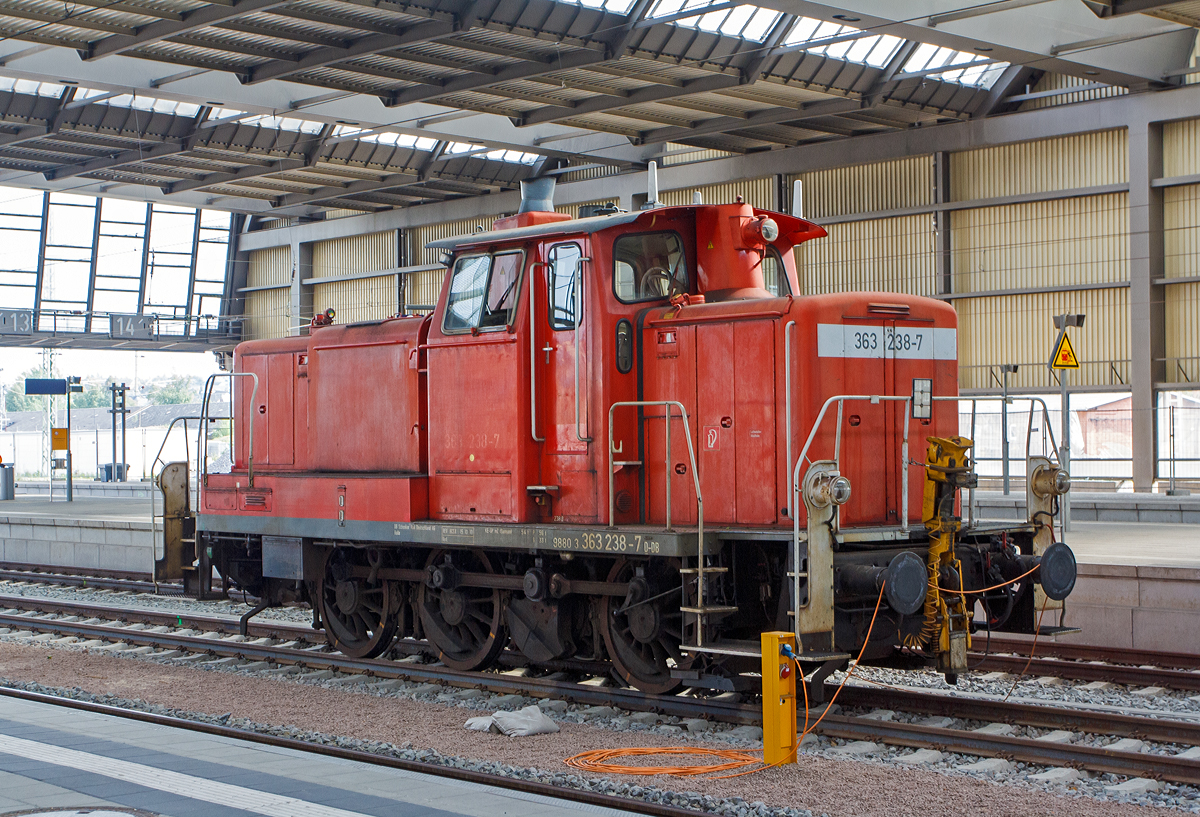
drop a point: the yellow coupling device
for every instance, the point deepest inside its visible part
(948, 468)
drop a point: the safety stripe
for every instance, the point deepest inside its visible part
(185, 785)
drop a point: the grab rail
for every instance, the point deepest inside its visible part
(578, 345)
(687, 435)
(202, 443)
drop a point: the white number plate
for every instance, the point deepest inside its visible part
(903, 342)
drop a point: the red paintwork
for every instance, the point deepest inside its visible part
(407, 422)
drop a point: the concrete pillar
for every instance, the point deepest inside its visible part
(1146, 313)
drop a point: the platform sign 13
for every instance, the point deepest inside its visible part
(16, 321)
(131, 327)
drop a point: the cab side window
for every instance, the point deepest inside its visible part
(563, 269)
(649, 267)
(775, 278)
(483, 292)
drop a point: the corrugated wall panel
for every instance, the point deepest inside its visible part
(268, 314)
(1065, 163)
(1062, 242)
(1051, 81)
(358, 253)
(1020, 329)
(421, 291)
(1181, 231)
(1181, 147)
(362, 299)
(755, 192)
(887, 254)
(1182, 326)
(270, 266)
(890, 185)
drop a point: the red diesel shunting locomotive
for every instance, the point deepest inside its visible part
(626, 438)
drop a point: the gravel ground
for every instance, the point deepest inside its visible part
(427, 723)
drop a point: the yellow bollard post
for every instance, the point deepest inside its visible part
(779, 699)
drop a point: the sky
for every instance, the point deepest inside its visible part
(123, 365)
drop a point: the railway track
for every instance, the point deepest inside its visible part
(96, 579)
(263, 648)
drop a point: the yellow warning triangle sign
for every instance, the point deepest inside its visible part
(1064, 355)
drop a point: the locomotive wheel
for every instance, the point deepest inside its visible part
(465, 624)
(360, 619)
(643, 638)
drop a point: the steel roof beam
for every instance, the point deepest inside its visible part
(771, 116)
(284, 205)
(372, 44)
(202, 17)
(654, 93)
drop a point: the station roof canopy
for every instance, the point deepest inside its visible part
(291, 107)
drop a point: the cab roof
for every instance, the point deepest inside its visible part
(792, 229)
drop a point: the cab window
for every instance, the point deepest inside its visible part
(564, 266)
(483, 292)
(649, 267)
(775, 278)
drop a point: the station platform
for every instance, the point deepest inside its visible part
(54, 758)
(106, 533)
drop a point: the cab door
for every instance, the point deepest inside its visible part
(477, 461)
(563, 374)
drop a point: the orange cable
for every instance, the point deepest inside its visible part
(993, 587)
(599, 760)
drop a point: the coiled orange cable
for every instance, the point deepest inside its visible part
(600, 761)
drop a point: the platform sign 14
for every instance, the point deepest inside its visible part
(131, 327)
(16, 321)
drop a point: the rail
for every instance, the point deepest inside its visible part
(202, 442)
(687, 434)
(579, 322)
(158, 460)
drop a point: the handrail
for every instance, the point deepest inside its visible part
(840, 399)
(533, 406)
(787, 392)
(687, 434)
(153, 479)
(578, 324)
(202, 443)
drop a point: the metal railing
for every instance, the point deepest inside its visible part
(687, 435)
(202, 442)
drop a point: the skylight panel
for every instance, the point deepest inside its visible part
(746, 21)
(284, 123)
(965, 67)
(26, 86)
(513, 156)
(615, 6)
(151, 104)
(843, 42)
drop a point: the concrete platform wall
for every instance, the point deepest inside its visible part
(1147, 608)
(82, 543)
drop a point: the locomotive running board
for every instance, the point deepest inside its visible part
(632, 540)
